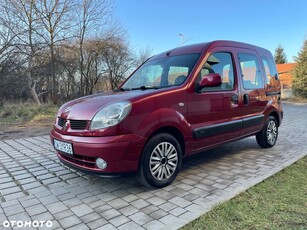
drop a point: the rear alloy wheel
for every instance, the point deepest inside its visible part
(267, 137)
(161, 161)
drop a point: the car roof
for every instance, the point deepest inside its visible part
(200, 47)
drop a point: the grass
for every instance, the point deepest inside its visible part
(279, 202)
(18, 113)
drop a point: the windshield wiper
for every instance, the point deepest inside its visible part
(122, 89)
(144, 87)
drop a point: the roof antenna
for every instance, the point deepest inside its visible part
(181, 43)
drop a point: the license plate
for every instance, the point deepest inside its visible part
(63, 146)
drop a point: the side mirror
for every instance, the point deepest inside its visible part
(210, 80)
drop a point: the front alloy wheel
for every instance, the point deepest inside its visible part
(160, 162)
(163, 161)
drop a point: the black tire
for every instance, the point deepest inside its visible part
(267, 137)
(159, 168)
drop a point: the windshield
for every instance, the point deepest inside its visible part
(163, 72)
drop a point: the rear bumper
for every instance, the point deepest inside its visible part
(122, 152)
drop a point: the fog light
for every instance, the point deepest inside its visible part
(102, 164)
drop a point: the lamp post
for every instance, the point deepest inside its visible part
(181, 39)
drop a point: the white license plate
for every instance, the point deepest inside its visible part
(63, 146)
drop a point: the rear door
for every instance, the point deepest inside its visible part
(271, 77)
(252, 88)
(214, 112)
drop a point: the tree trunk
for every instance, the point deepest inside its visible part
(32, 83)
(34, 94)
(54, 96)
(81, 67)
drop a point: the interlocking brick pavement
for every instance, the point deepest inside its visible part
(34, 185)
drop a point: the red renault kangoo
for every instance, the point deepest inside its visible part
(177, 103)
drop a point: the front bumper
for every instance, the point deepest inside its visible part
(122, 153)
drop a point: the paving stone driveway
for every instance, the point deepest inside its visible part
(35, 186)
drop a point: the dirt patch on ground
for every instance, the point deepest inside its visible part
(30, 129)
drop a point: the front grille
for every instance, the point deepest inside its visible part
(74, 124)
(61, 121)
(85, 161)
(78, 124)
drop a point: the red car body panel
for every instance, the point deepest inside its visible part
(121, 152)
(180, 109)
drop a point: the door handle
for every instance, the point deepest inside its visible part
(246, 99)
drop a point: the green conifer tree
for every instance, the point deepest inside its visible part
(280, 55)
(299, 84)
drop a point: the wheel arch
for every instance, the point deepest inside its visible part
(174, 132)
(276, 116)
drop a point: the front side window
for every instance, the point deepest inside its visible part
(250, 71)
(162, 72)
(221, 63)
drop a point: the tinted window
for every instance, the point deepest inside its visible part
(220, 63)
(250, 71)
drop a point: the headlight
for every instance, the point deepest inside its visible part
(111, 115)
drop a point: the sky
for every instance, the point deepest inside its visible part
(156, 24)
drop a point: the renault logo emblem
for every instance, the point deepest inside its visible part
(65, 125)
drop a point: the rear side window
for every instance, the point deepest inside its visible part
(270, 70)
(250, 71)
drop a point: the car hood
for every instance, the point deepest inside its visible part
(85, 108)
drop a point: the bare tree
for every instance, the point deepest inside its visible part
(118, 60)
(61, 48)
(94, 16)
(7, 37)
(20, 22)
(25, 12)
(6, 29)
(92, 55)
(68, 59)
(56, 19)
(143, 55)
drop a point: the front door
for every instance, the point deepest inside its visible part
(214, 112)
